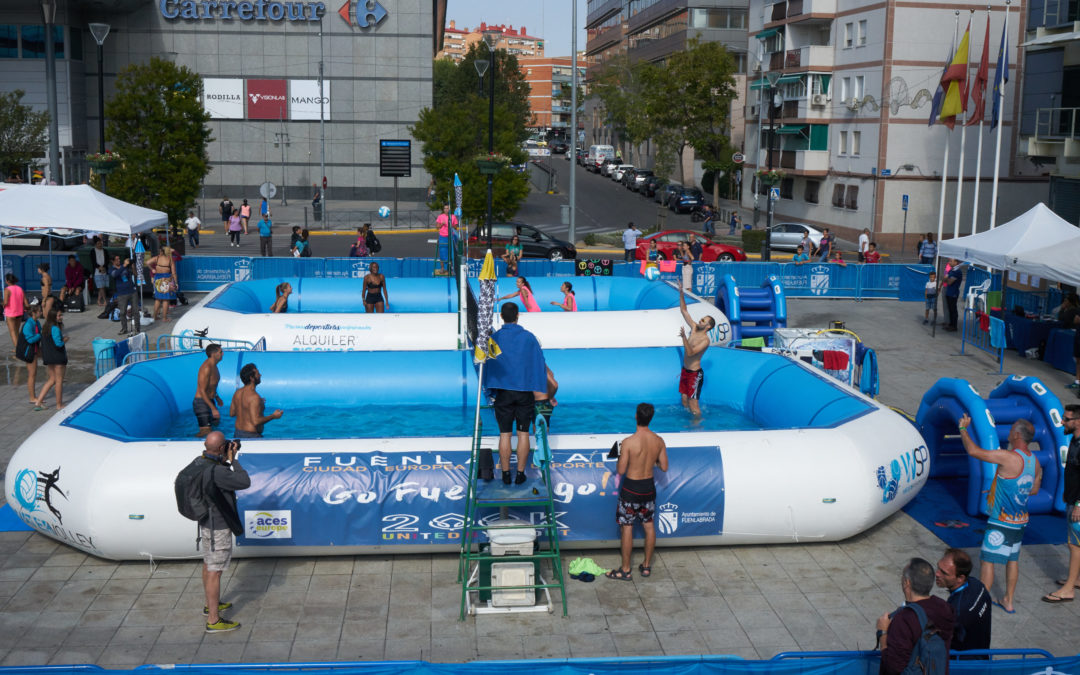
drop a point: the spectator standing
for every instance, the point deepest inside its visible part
(927, 249)
(930, 291)
(807, 244)
(801, 257)
(264, 208)
(295, 237)
(54, 356)
(15, 306)
(871, 254)
(446, 222)
(954, 279)
(968, 598)
(225, 208)
(695, 246)
(825, 247)
(707, 225)
(245, 215)
(29, 347)
(734, 224)
(685, 255)
(1069, 317)
(101, 283)
(1072, 510)
(193, 224)
(898, 632)
(265, 226)
(629, 239)
(124, 278)
(864, 244)
(235, 228)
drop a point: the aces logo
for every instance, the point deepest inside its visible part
(268, 524)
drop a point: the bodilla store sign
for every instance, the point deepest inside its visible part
(362, 13)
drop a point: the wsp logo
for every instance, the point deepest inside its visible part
(905, 469)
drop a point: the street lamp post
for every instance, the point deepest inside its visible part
(491, 38)
(48, 10)
(100, 31)
(766, 255)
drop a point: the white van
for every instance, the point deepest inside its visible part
(597, 155)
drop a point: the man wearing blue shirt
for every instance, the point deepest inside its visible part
(953, 281)
(518, 378)
(265, 230)
(124, 280)
(969, 598)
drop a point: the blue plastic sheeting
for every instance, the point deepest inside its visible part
(338, 296)
(913, 280)
(592, 293)
(30, 278)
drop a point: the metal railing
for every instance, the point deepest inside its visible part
(192, 342)
(1057, 123)
(545, 177)
(350, 219)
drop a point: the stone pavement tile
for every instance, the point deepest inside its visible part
(158, 601)
(410, 566)
(512, 624)
(280, 598)
(303, 567)
(9, 588)
(361, 650)
(132, 570)
(223, 648)
(125, 655)
(637, 644)
(183, 628)
(33, 595)
(323, 606)
(375, 565)
(295, 581)
(20, 574)
(769, 651)
(398, 630)
(173, 652)
(135, 635)
(681, 642)
(334, 566)
(47, 573)
(54, 619)
(272, 632)
(91, 571)
(871, 604)
(113, 603)
(591, 645)
(626, 602)
(697, 588)
(82, 637)
(822, 601)
(329, 582)
(407, 649)
(77, 655)
(723, 641)
(66, 557)
(628, 623)
(445, 604)
(280, 613)
(267, 652)
(546, 646)
(75, 596)
(453, 628)
(258, 567)
(122, 586)
(499, 647)
(669, 613)
(28, 657)
(146, 618)
(248, 583)
(309, 631)
(772, 637)
(43, 638)
(452, 649)
(648, 588)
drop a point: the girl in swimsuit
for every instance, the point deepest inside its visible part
(281, 302)
(524, 292)
(569, 303)
(376, 298)
(54, 356)
(15, 306)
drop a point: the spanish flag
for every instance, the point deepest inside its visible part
(955, 83)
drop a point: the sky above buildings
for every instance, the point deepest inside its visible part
(549, 19)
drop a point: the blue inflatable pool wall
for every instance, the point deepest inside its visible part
(592, 293)
(337, 296)
(1014, 399)
(768, 388)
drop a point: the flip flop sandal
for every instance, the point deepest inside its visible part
(1055, 599)
(620, 575)
(645, 571)
(1002, 607)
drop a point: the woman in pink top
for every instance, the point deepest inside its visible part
(245, 215)
(524, 292)
(569, 303)
(445, 221)
(15, 307)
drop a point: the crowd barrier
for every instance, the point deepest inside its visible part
(1000, 662)
(821, 280)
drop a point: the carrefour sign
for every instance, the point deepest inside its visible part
(360, 13)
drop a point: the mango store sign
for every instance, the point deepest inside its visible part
(242, 10)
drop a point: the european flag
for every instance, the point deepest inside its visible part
(1002, 74)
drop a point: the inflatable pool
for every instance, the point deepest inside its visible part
(371, 453)
(327, 314)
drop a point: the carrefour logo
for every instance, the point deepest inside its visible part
(362, 13)
(268, 524)
(242, 10)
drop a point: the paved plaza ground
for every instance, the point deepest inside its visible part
(60, 606)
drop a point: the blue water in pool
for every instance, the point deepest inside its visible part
(374, 421)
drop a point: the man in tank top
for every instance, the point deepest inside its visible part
(1018, 476)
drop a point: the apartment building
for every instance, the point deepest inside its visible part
(851, 105)
(550, 89)
(516, 41)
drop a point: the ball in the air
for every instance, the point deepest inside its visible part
(652, 273)
(384, 211)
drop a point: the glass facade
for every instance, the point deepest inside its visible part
(33, 42)
(668, 27)
(732, 18)
(9, 42)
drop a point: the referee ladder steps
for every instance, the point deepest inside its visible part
(487, 503)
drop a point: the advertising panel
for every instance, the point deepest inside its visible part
(304, 99)
(267, 99)
(223, 99)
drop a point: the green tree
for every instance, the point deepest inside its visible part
(454, 132)
(691, 100)
(23, 133)
(622, 87)
(157, 124)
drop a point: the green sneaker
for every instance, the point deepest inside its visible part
(222, 626)
(221, 608)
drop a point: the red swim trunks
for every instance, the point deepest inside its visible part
(691, 382)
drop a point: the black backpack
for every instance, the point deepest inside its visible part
(373, 243)
(930, 654)
(191, 486)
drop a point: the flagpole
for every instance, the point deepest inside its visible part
(1000, 122)
(978, 154)
(963, 142)
(945, 164)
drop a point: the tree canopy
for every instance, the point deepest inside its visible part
(454, 133)
(157, 124)
(23, 133)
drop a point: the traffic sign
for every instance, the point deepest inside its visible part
(774, 194)
(268, 190)
(885, 173)
(738, 158)
(903, 203)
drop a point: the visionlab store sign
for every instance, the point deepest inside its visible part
(230, 99)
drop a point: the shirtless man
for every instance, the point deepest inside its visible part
(206, 397)
(637, 495)
(692, 378)
(248, 407)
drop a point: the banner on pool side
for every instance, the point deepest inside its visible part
(373, 499)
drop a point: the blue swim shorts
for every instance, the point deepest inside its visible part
(1001, 544)
(1073, 527)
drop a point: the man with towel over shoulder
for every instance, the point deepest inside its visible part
(518, 380)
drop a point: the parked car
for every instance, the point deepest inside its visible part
(663, 195)
(58, 239)
(535, 243)
(617, 172)
(652, 185)
(627, 178)
(636, 181)
(686, 200)
(668, 240)
(605, 167)
(787, 236)
(559, 147)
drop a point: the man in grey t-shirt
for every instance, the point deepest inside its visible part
(629, 238)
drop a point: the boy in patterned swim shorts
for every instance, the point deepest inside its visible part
(639, 454)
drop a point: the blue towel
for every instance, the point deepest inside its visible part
(869, 381)
(997, 333)
(521, 365)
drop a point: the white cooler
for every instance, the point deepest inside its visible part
(510, 540)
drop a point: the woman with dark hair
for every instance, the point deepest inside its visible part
(15, 307)
(376, 298)
(524, 292)
(30, 347)
(569, 303)
(512, 255)
(54, 356)
(281, 299)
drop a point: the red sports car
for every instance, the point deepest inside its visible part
(667, 240)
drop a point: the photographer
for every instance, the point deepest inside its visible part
(123, 277)
(221, 523)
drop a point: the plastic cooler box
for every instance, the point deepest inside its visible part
(509, 540)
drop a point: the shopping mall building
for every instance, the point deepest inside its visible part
(260, 62)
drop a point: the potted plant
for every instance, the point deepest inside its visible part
(104, 162)
(770, 177)
(490, 163)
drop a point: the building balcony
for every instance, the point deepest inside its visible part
(811, 161)
(602, 11)
(563, 78)
(799, 9)
(814, 56)
(1057, 133)
(556, 108)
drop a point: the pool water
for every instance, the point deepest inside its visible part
(375, 421)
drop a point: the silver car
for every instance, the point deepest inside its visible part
(618, 171)
(788, 236)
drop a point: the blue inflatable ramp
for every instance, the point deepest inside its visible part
(992, 417)
(753, 312)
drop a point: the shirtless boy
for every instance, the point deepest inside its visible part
(248, 407)
(637, 495)
(692, 378)
(206, 397)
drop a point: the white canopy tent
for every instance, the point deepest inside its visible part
(1015, 243)
(73, 207)
(1058, 262)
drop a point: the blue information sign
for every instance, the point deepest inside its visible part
(904, 203)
